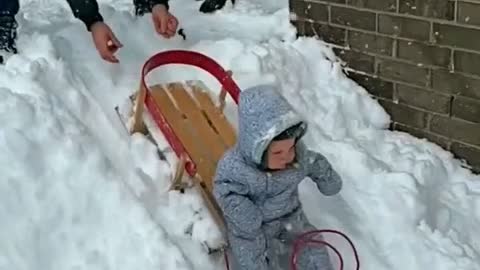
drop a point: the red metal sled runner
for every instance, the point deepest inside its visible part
(185, 114)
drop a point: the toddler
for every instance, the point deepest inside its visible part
(256, 185)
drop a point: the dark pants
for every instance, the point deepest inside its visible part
(8, 25)
(9, 7)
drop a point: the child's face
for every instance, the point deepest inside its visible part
(280, 154)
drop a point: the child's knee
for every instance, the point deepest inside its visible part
(314, 258)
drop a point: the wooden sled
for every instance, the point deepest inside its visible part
(194, 126)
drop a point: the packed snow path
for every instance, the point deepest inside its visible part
(74, 188)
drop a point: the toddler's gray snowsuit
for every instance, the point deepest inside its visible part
(262, 209)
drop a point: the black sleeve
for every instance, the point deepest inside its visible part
(86, 11)
(145, 6)
(155, 2)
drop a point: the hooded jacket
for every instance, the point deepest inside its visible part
(262, 209)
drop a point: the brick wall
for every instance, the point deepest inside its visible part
(420, 58)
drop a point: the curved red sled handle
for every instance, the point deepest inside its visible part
(193, 59)
(308, 239)
(187, 58)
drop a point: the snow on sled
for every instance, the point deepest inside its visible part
(191, 121)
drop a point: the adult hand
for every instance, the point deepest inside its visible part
(105, 41)
(164, 22)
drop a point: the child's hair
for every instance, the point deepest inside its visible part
(296, 131)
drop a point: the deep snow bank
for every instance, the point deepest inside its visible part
(69, 170)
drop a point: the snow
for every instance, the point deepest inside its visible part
(77, 192)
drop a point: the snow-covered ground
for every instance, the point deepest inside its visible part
(76, 192)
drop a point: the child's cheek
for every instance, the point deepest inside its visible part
(291, 157)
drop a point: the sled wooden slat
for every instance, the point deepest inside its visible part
(139, 126)
(185, 132)
(220, 122)
(194, 131)
(208, 138)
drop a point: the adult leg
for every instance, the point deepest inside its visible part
(8, 25)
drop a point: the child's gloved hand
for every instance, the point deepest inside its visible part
(327, 179)
(319, 170)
